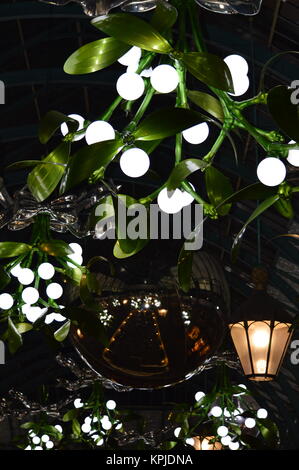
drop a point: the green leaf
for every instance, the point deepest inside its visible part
(56, 248)
(136, 246)
(218, 189)
(28, 425)
(164, 17)
(4, 278)
(167, 122)
(44, 178)
(283, 111)
(209, 69)
(87, 160)
(28, 163)
(269, 432)
(62, 333)
(86, 296)
(95, 56)
(254, 192)
(168, 445)
(12, 249)
(51, 122)
(75, 274)
(285, 208)
(76, 428)
(14, 338)
(70, 415)
(134, 31)
(208, 103)
(256, 213)
(185, 263)
(23, 327)
(183, 170)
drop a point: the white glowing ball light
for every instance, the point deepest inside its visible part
(32, 313)
(234, 445)
(197, 134)
(216, 411)
(45, 438)
(99, 131)
(78, 403)
(226, 440)
(134, 162)
(190, 441)
(30, 295)
(54, 291)
(177, 431)
(6, 301)
(293, 155)
(222, 431)
(170, 201)
(262, 413)
(199, 396)
(16, 270)
(164, 78)
(65, 130)
(250, 423)
(130, 86)
(105, 423)
(131, 57)
(26, 277)
(58, 427)
(271, 171)
(239, 69)
(49, 445)
(36, 440)
(86, 428)
(77, 249)
(46, 271)
(111, 405)
(76, 258)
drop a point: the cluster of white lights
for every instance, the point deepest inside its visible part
(239, 70)
(172, 202)
(134, 162)
(65, 130)
(271, 171)
(40, 442)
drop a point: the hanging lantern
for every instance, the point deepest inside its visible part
(261, 332)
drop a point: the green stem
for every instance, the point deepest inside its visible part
(219, 141)
(261, 98)
(142, 109)
(108, 113)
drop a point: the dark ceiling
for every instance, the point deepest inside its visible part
(36, 39)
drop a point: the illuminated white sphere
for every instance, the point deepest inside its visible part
(26, 277)
(30, 295)
(293, 156)
(88, 420)
(170, 201)
(54, 291)
(76, 258)
(241, 85)
(216, 411)
(33, 313)
(76, 248)
(177, 432)
(99, 131)
(199, 396)
(134, 162)
(50, 318)
(262, 413)
(164, 78)
(271, 171)
(100, 442)
(234, 445)
(147, 73)
(65, 130)
(111, 405)
(250, 423)
(226, 440)
(38, 448)
(58, 427)
(197, 134)
(6, 301)
(133, 68)
(190, 441)
(240, 393)
(46, 271)
(131, 57)
(78, 403)
(86, 428)
(222, 431)
(45, 438)
(106, 424)
(28, 448)
(238, 411)
(49, 445)
(130, 86)
(36, 440)
(16, 270)
(237, 64)
(118, 426)
(58, 317)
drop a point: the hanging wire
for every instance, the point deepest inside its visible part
(255, 120)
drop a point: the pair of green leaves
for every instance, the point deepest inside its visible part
(284, 111)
